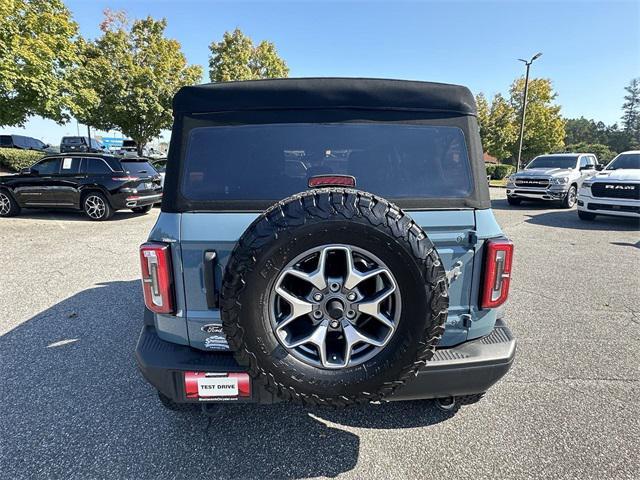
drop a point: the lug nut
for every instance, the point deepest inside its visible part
(317, 297)
(317, 314)
(351, 314)
(334, 324)
(335, 287)
(351, 296)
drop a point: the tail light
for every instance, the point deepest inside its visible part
(157, 277)
(497, 272)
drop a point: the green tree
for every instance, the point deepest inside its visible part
(498, 128)
(544, 128)
(236, 58)
(126, 78)
(603, 152)
(582, 130)
(631, 110)
(482, 106)
(36, 50)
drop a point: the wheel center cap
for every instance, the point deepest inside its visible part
(335, 309)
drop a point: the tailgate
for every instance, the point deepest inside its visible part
(452, 231)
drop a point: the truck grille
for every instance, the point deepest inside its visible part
(532, 182)
(629, 191)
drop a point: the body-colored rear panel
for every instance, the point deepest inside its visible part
(454, 232)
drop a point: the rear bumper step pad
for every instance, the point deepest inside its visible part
(469, 368)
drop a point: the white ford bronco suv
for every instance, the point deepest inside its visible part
(327, 241)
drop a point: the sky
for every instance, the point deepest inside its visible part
(591, 49)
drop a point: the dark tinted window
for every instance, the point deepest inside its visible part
(96, 166)
(20, 141)
(625, 160)
(73, 141)
(6, 141)
(70, 165)
(269, 162)
(142, 168)
(48, 166)
(553, 161)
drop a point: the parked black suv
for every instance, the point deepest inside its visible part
(96, 184)
(80, 144)
(23, 142)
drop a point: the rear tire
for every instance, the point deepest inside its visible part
(96, 206)
(145, 209)
(588, 216)
(8, 206)
(514, 201)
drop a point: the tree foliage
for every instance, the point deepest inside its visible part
(126, 78)
(500, 121)
(36, 50)
(543, 126)
(603, 152)
(236, 58)
(631, 110)
(582, 130)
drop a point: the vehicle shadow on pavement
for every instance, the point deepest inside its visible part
(568, 218)
(75, 406)
(69, 216)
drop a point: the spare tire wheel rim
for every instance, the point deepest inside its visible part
(335, 306)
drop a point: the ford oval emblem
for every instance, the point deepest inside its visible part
(212, 328)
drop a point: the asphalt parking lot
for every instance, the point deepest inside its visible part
(73, 405)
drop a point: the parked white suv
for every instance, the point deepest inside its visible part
(555, 177)
(614, 191)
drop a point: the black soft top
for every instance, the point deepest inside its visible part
(321, 100)
(325, 93)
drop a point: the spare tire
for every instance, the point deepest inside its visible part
(333, 297)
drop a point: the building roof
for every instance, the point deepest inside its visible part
(489, 159)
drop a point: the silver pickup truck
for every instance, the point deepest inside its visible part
(555, 177)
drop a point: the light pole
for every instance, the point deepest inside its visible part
(524, 104)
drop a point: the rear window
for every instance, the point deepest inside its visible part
(270, 162)
(142, 168)
(73, 141)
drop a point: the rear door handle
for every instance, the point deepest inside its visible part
(210, 262)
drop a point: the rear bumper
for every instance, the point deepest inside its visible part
(469, 368)
(128, 200)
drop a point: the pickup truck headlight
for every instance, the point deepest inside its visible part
(586, 184)
(559, 180)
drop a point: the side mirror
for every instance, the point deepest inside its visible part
(26, 171)
(599, 167)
